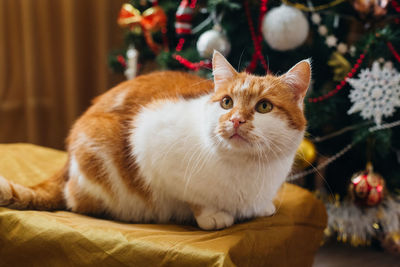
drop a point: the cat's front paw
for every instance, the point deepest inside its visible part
(5, 192)
(268, 209)
(210, 219)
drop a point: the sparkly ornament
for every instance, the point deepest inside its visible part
(132, 62)
(367, 188)
(211, 40)
(331, 41)
(305, 155)
(184, 16)
(376, 92)
(285, 28)
(358, 225)
(375, 7)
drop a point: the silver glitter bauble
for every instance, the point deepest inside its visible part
(212, 40)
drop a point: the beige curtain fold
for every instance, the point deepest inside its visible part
(53, 61)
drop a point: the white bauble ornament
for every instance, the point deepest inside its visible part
(212, 40)
(285, 28)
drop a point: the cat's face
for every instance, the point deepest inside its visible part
(258, 114)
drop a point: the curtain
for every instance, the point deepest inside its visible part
(53, 61)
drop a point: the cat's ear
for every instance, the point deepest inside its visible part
(298, 78)
(222, 70)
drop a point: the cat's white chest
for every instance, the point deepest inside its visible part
(172, 153)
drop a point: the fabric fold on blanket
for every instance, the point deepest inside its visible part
(39, 238)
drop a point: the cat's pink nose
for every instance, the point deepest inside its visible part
(236, 122)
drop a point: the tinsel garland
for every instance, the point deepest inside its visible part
(353, 224)
(358, 226)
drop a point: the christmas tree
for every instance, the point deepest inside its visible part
(352, 107)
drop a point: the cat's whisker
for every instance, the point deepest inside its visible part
(203, 81)
(171, 146)
(198, 149)
(240, 59)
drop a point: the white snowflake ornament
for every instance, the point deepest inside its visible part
(376, 92)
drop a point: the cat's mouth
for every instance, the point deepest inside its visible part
(238, 137)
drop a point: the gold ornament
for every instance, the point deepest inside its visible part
(341, 67)
(305, 155)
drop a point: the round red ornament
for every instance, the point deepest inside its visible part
(367, 187)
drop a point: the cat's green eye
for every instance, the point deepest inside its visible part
(227, 102)
(264, 106)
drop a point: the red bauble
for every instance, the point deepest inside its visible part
(367, 187)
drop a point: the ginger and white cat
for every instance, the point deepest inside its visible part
(171, 146)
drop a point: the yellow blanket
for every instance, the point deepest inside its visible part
(37, 238)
